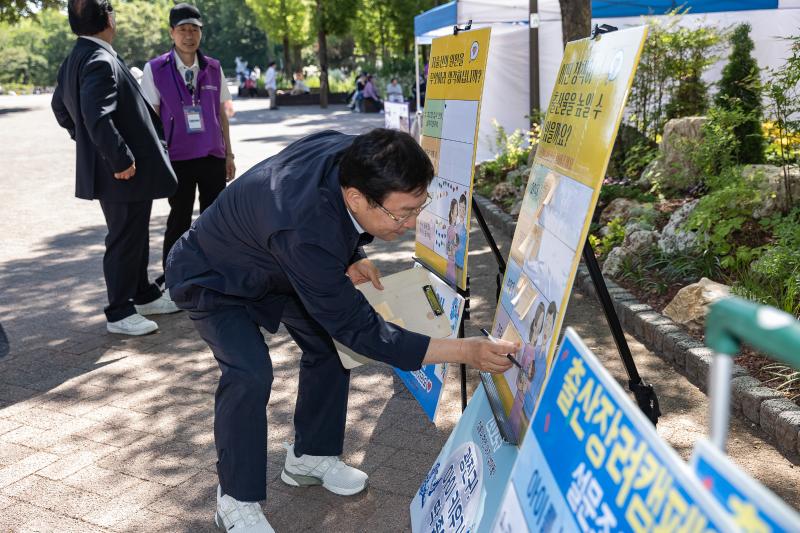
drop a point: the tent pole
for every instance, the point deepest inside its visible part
(416, 78)
(533, 58)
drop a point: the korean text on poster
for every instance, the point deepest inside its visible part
(591, 461)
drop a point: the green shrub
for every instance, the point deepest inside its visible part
(610, 191)
(712, 162)
(512, 153)
(655, 272)
(783, 97)
(740, 88)
(614, 236)
(774, 278)
(724, 221)
(668, 82)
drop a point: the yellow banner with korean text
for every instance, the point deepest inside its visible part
(449, 135)
(457, 66)
(577, 137)
(586, 105)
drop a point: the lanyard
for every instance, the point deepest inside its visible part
(196, 100)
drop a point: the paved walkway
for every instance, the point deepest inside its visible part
(104, 433)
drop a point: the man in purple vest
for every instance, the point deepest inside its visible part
(188, 90)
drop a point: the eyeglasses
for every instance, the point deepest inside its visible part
(412, 213)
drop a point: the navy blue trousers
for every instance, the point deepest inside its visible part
(240, 412)
(126, 257)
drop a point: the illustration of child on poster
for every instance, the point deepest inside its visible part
(452, 240)
(461, 251)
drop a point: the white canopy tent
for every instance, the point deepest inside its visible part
(505, 91)
(506, 95)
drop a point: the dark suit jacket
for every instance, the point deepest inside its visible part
(100, 104)
(282, 231)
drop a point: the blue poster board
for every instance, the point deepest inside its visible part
(426, 383)
(751, 505)
(591, 461)
(462, 490)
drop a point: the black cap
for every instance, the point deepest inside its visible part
(184, 14)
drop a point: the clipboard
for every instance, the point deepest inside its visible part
(407, 300)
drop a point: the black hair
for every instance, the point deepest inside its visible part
(271, 63)
(384, 161)
(534, 334)
(88, 17)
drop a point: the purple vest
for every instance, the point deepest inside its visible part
(175, 95)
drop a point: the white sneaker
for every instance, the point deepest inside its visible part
(328, 471)
(241, 517)
(132, 325)
(163, 305)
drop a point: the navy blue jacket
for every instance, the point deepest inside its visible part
(101, 106)
(282, 230)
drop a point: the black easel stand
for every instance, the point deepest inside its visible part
(501, 270)
(643, 392)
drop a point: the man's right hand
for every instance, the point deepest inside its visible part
(477, 352)
(127, 173)
(486, 355)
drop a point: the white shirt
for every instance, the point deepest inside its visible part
(102, 43)
(154, 97)
(358, 227)
(269, 79)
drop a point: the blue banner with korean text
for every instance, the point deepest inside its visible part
(751, 505)
(591, 461)
(463, 488)
(426, 384)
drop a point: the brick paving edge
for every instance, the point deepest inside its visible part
(777, 416)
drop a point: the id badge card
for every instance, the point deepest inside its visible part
(194, 118)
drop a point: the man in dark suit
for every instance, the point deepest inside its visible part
(121, 160)
(282, 244)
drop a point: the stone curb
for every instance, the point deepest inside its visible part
(778, 417)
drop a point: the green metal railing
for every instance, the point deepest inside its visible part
(731, 322)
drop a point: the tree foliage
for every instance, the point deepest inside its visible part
(32, 49)
(286, 22)
(13, 10)
(740, 88)
(142, 30)
(230, 29)
(668, 82)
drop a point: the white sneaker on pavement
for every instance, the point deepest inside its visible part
(240, 517)
(132, 325)
(328, 471)
(163, 305)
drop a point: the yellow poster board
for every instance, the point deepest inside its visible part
(564, 184)
(456, 72)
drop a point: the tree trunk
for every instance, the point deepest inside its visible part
(323, 55)
(576, 19)
(287, 64)
(297, 56)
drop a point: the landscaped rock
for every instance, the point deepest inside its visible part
(504, 190)
(618, 208)
(673, 238)
(516, 208)
(773, 188)
(677, 133)
(639, 240)
(652, 173)
(691, 303)
(613, 263)
(518, 175)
